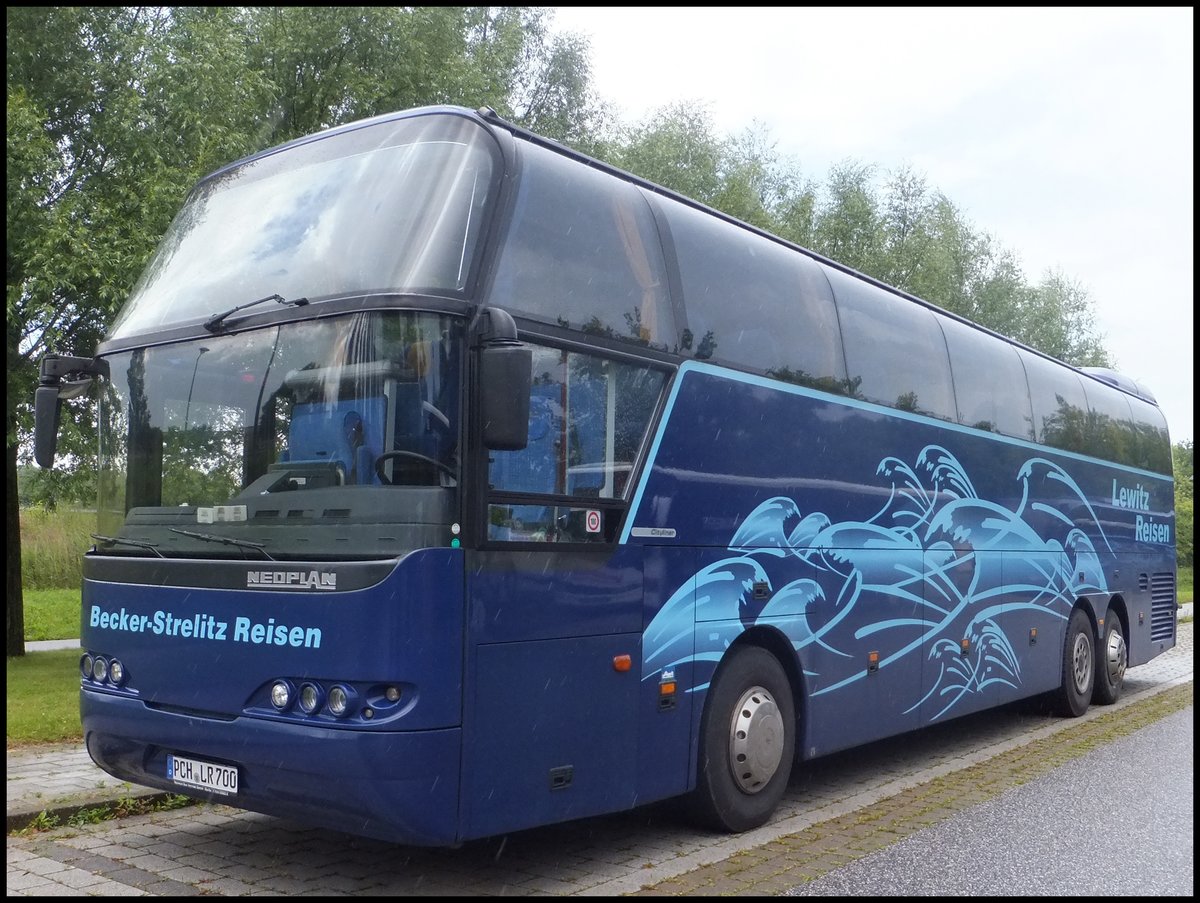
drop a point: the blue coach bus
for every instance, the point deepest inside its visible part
(453, 483)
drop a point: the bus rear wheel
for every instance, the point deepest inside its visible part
(747, 741)
(1111, 662)
(1078, 667)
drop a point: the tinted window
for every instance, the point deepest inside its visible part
(582, 251)
(895, 351)
(754, 303)
(1060, 408)
(1109, 424)
(1152, 447)
(989, 381)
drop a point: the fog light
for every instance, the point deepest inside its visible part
(392, 694)
(310, 698)
(85, 666)
(281, 694)
(100, 668)
(116, 672)
(338, 701)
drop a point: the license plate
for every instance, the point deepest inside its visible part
(210, 776)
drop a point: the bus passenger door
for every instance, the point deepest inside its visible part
(555, 602)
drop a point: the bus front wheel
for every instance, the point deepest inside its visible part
(1111, 662)
(1078, 667)
(747, 741)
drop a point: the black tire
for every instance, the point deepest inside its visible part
(747, 742)
(1078, 667)
(1112, 658)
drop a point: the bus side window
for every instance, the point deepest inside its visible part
(588, 417)
(1062, 422)
(895, 352)
(979, 364)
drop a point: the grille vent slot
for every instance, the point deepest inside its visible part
(1162, 606)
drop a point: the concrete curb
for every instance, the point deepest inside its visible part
(105, 803)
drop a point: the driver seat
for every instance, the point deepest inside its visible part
(338, 433)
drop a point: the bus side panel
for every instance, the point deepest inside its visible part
(903, 520)
(996, 632)
(668, 722)
(1150, 595)
(552, 735)
(864, 621)
(1033, 626)
(551, 718)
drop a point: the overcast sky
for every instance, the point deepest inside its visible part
(1064, 133)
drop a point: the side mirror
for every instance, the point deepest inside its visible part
(505, 380)
(62, 377)
(47, 409)
(504, 385)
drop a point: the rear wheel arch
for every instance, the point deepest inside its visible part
(1112, 653)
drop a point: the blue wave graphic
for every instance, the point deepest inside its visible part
(929, 559)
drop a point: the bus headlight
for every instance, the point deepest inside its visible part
(100, 669)
(116, 672)
(339, 701)
(310, 698)
(281, 694)
(85, 666)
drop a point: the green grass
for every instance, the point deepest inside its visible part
(1183, 589)
(51, 614)
(43, 697)
(52, 547)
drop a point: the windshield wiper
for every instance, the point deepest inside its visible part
(116, 540)
(225, 540)
(213, 323)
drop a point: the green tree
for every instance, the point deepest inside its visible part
(1058, 319)
(332, 65)
(677, 148)
(1181, 455)
(850, 227)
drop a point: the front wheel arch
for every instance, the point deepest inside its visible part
(747, 742)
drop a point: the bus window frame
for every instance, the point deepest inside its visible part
(616, 509)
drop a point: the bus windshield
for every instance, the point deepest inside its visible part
(336, 437)
(394, 206)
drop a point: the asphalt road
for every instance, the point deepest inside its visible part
(1116, 823)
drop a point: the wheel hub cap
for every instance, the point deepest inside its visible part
(755, 740)
(1081, 660)
(1116, 657)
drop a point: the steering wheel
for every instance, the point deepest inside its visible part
(401, 453)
